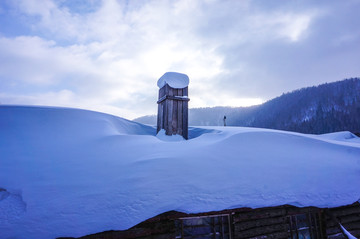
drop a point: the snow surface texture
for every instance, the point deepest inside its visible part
(69, 172)
(174, 80)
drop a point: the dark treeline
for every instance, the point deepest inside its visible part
(329, 107)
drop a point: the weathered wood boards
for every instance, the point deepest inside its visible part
(348, 216)
(173, 111)
(246, 223)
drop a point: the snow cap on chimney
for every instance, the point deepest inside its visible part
(174, 80)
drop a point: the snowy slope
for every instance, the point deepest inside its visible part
(70, 172)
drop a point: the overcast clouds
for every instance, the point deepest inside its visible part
(107, 55)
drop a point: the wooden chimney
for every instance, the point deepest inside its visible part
(173, 104)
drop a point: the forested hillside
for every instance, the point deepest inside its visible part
(319, 109)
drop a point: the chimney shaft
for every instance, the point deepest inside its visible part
(173, 104)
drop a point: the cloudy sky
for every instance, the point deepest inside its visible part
(108, 55)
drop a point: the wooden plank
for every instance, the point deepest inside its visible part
(166, 89)
(160, 116)
(348, 226)
(344, 219)
(355, 233)
(179, 118)
(175, 113)
(185, 114)
(336, 236)
(309, 221)
(333, 230)
(245, 225)
(174, 117)
(343, 211)
(158, 127)
(162, 92)
(261, 231)
(259, 214)
(276, 235)
(342, 208)
(169, 115)
(185, 91)
(301, 210)
(185, 120)
(170, 104)
(340, 235)
(322, 224)
(171, 91)
(168, 97)
(179, 114)
(165, 112)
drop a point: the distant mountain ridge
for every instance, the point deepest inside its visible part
(326, 108)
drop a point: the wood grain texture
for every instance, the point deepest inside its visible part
(173, 111)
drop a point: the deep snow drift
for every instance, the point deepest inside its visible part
(70, 172)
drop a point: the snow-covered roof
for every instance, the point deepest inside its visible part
(70, 172)
(174, 80)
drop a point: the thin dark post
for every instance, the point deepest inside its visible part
(173, 104)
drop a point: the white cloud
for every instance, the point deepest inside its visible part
(279, 25)
(117, 62)
(295, 27)
(27, 59)
(113, 55)
(33, 7)
(345, 39)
